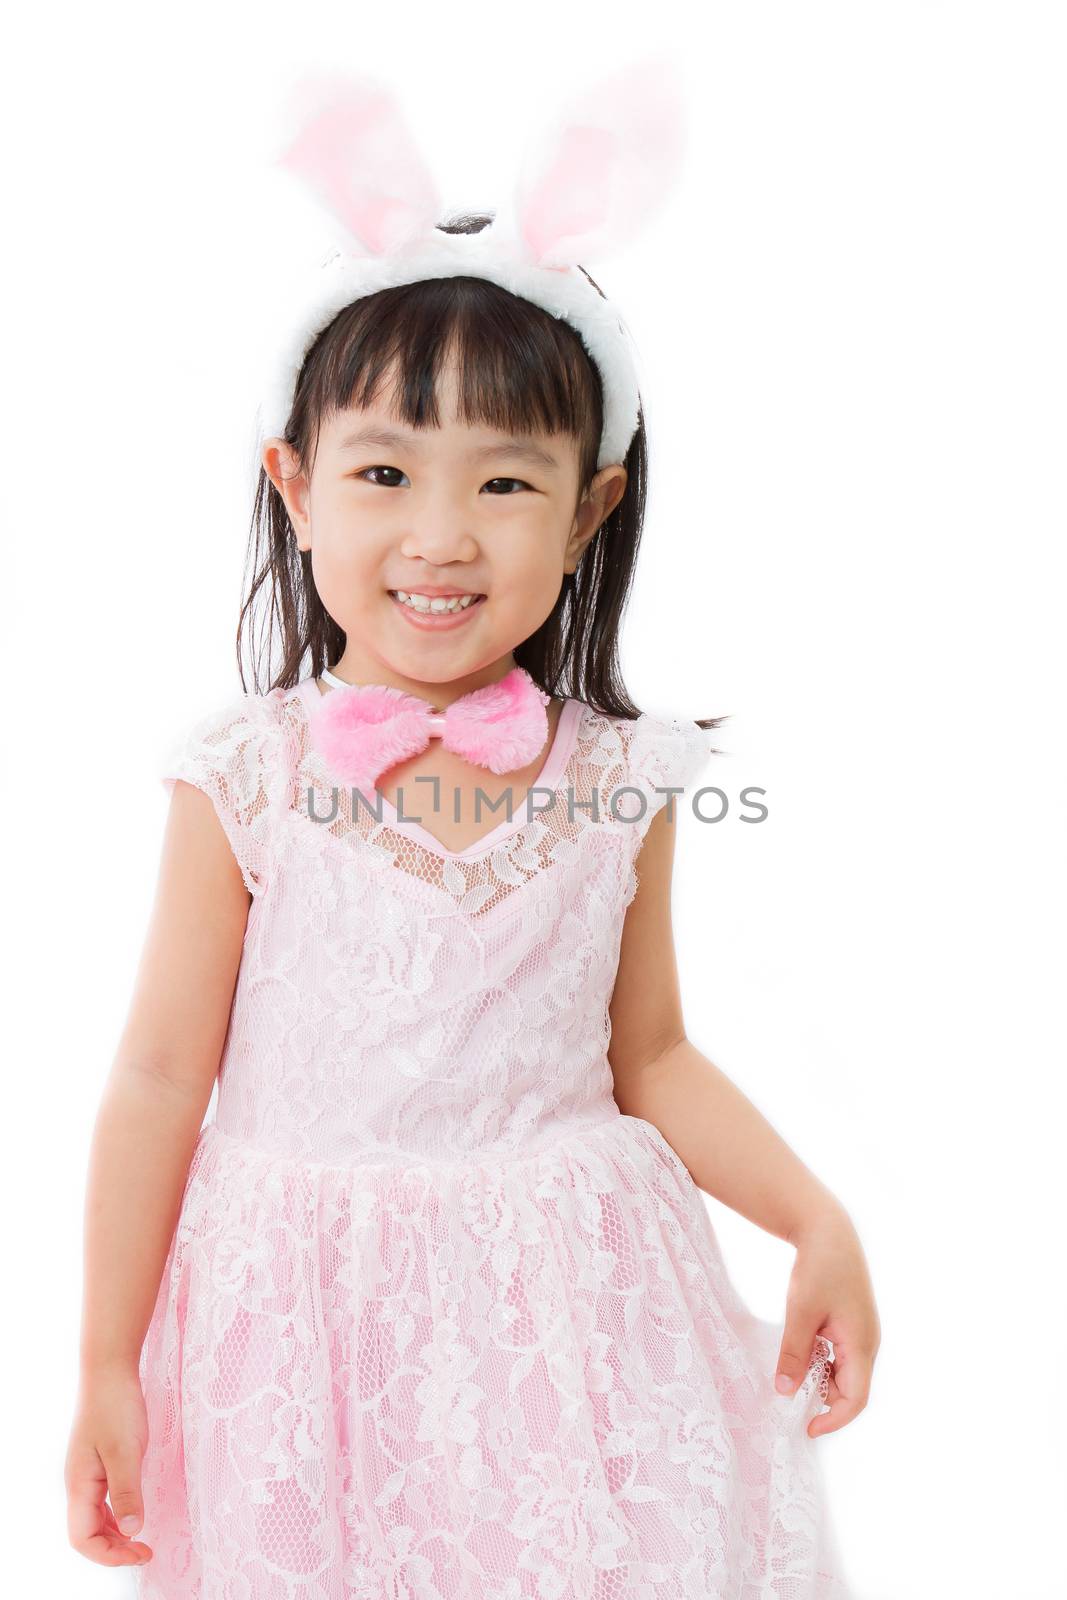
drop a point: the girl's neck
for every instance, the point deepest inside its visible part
(353, 668)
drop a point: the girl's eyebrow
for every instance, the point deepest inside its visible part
(394, 440)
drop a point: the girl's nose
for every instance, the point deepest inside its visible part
(439, 544)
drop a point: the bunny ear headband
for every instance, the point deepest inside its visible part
(587, 185)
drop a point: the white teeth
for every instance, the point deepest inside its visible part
(424, 602)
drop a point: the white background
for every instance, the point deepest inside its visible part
(851, 320)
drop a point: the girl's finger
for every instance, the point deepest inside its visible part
(846, 1395)
(795, 1352)
(122, 1465)
(91, 1527)
(122, 1542)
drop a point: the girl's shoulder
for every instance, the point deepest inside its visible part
(235, 753)
(655, 752)
(230, 736)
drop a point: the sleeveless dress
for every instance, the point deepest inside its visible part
(438, 1321)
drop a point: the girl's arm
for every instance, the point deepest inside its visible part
(150, 1116)
(729, 1148)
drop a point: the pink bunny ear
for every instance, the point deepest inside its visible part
(603, 166)
(356, 153)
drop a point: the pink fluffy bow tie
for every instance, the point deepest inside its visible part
(363, 730)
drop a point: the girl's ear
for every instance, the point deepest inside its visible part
(602, 167)
(282, 466)
(355, 152)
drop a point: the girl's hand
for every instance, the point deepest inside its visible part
(830, 1293)
(107, 1446)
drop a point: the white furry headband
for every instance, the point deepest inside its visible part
(587, 185)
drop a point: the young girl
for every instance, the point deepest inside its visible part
(433, 1307)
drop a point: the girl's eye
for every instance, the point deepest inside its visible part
(519, 481)
(366, 473)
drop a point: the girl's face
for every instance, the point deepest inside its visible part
(455, 510)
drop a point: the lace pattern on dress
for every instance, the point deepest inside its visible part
(438, 1321)
(232, 755)
(612, 779)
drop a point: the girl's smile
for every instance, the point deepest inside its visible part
(425, 608)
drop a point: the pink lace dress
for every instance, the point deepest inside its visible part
(438, 1322)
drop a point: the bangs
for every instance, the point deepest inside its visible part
(518, 368)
